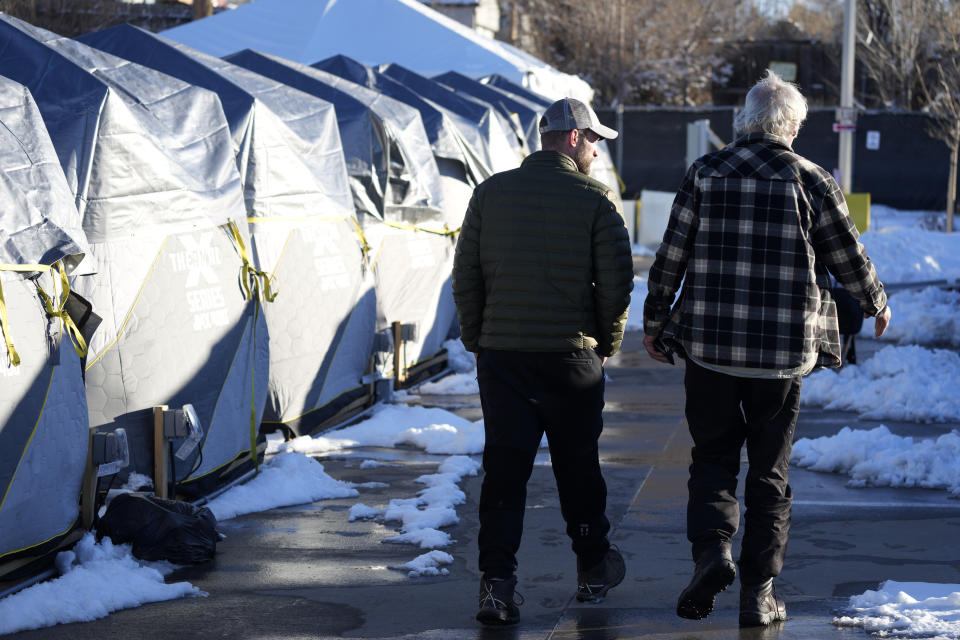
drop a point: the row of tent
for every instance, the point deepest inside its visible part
(255, 237)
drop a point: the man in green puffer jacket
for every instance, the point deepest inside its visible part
(542, 279)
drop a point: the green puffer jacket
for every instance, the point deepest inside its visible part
(543, 262)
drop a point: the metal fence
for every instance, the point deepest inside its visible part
(895, 159)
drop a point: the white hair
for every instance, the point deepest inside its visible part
(772, 106)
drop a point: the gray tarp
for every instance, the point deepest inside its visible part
(484, 125)
(411, 268)
(43, 409)
(297, 195)
(155, 190)
(461, 167)
(387, 150)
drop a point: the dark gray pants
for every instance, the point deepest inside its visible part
(524, 395)
(724, 412)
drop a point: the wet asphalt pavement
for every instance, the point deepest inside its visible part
(307, 572)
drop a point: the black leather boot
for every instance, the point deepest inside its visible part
(498, 604)
(715, 572)
(759, 605)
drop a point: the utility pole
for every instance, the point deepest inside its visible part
(202, 9)
(846, 115)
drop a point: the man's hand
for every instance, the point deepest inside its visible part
(653, 351)
(881, 322)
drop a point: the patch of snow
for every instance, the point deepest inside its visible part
(906, 610)
(361, 511)
(97, 578)
(879, 458)
(929, 316)
(285, 480)
(898, 383)
(427, 564)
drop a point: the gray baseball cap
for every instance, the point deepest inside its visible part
(567, 114)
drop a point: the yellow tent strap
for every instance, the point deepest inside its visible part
(5, 328)
(76, 337)
(623, 185)
(253, 393)
(409, 227)
(364, 245)
(4, 320)
(252, 279)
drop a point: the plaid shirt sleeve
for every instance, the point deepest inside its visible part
(668, 268)
(836, 242)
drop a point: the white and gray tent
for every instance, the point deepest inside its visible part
(524, 117)
(43, 409)
(411, 245)
(161, 205)
(484, 124)
(461, 165)
(388, 153)
(303, 229)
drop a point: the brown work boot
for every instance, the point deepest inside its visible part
(759, 605)
(715, 572)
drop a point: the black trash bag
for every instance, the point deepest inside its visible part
(849, 313)
(161, 529)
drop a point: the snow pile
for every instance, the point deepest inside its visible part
(906, 610)
(433, 430)
(422, 517)
(461, 383)
(427, 564)
(898, 383)
(96, 580)
(913, 254)
(928, 316)
(459, 359)
(285, 480)
(361, 511)
(879, 458)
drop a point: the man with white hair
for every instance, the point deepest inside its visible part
(754, 235)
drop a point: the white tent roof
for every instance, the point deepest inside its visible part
(373, 32)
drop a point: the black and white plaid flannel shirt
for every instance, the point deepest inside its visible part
(754, 230)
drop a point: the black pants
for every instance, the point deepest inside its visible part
(723, 412)
(524, 395)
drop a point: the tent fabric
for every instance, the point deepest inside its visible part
(386, 147)
(43, 408)
(157, 193)
(297, 194)
(480, 121)
(460, 166)
(403, 31)
(440, 123)
(524, 117)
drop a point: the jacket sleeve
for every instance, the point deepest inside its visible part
(469, 293)
(612, 277)
(836, 242)
(670, 265)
